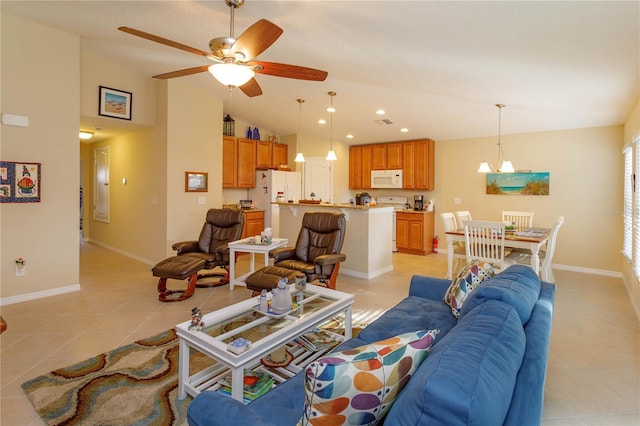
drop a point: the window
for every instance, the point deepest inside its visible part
(629, 183)
(636, 216)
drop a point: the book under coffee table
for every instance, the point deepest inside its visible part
(266, 333)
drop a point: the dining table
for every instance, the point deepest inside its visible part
(531, 239)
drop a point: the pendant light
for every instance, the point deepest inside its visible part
(505, 165)
(299, 156)
(331, 155)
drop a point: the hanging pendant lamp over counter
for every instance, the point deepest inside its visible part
(299, 156)
(331, 155)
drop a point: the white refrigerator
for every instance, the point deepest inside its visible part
(268, 184)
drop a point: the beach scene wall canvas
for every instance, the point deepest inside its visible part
(529, 183)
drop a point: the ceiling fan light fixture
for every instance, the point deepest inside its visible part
(232, 75)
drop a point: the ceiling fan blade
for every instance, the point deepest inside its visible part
(289, 71)
(251, 88)
(257, 38)
(164, 41)
(181, 73)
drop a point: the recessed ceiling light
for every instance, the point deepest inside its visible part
(404, 130)
(381, 112)
(349, 136)
(322, 121)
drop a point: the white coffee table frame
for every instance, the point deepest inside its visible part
(216, 348)
(244, 247)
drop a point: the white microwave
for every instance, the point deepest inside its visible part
(386, 178)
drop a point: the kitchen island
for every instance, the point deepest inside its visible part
(367, 241)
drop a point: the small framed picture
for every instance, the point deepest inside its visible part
(195, 181)
(115, 103)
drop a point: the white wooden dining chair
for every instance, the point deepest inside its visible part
(461, 216)
(484, 240)
(546, 256)
(459, 253)
(520, 219)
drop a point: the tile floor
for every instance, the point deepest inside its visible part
(593, 375)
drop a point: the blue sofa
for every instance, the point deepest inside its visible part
(487, 367)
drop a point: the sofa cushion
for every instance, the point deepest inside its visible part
(469, 277)
(469, 376)
(518, 286)
(358, 386)
(412, 313)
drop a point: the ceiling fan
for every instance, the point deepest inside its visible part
(234, 58)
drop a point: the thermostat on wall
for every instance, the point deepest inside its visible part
(15, 120)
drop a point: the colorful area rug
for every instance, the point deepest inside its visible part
(136, 384)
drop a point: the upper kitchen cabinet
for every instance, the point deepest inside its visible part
(394, 155)
(379, 159)
(425, 154)
(415, 158)
(279, 156)
(271, 155)
(238, 162)
(360, 160)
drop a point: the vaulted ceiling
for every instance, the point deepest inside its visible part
(436, 67)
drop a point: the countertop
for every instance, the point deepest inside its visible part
(338, 205)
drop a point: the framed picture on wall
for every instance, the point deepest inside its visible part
(19, 182)
(195, 181)
(115, 103)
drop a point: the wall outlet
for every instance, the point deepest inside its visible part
(20, 271)
(201, 201)
(457, 200)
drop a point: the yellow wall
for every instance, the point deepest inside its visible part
(194, 143)
(45, 233)
(632, 131)
(586, 179)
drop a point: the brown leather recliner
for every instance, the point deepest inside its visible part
(221, 227)
(316, 254)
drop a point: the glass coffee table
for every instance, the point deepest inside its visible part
(267, 333)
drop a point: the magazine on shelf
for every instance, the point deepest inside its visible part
(256, 383)
(318, 339)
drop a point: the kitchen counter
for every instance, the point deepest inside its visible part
(330, 205)
(368, 237)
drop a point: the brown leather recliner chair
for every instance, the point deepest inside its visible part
(221, 227)
(316, 254)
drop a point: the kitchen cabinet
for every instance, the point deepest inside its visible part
(238, 162)
(418, 165)
(414, 232)
(263, 154)
(415, 158)
(394, 155)
(360, 160)
(253, 223)
(424, 164)
(271, 155)
(379, 156)
(279, 156)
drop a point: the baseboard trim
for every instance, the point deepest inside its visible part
(365, 276)
(123, 252)
(604, 272)
(39, 294)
